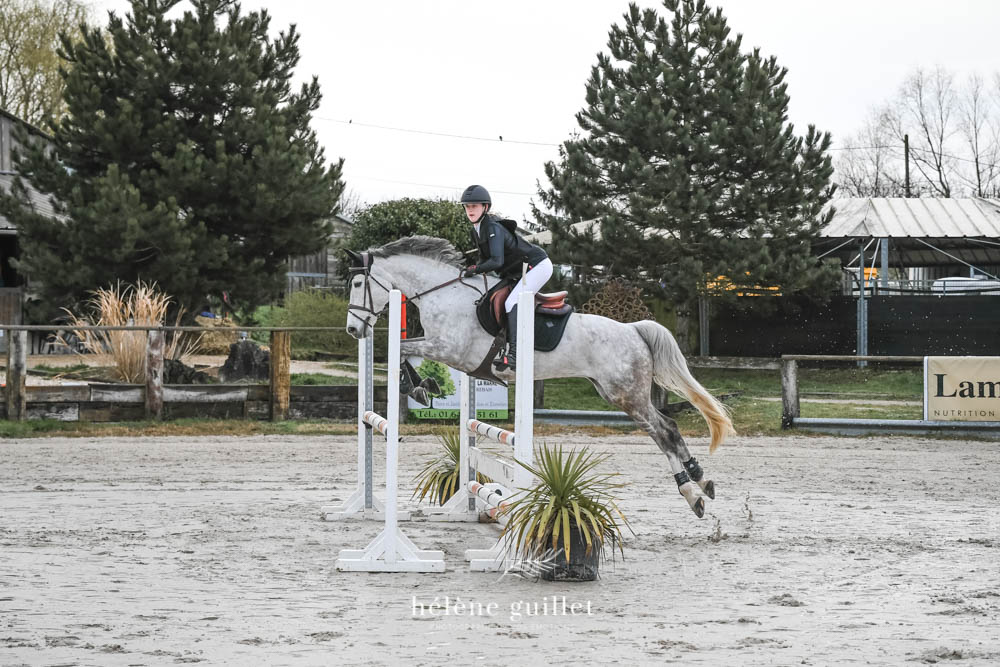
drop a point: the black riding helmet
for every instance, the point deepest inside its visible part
(476, 194)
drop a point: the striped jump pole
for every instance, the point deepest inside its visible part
(377, 422)
(492, 432)
(495, 497)
(391, 550)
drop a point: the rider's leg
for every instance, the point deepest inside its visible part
(533, 280)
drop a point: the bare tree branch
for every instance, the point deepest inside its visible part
(30, 85)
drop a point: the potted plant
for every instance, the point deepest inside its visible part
(438, 480)
(566, 520)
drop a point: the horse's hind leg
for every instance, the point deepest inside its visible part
(691, 466)
(697, 476)
(668, 438)
(687, 472)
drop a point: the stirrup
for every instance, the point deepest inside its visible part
(504, 364)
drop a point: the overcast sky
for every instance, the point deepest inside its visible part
(517, 69)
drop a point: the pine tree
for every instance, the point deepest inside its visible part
(185, 158)
(688, 162)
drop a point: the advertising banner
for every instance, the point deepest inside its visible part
(962, 389)
(491, 398)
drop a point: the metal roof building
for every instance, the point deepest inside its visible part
(916, 232)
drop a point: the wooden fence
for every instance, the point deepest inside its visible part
(276, 401)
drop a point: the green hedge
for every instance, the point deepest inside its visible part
(316, 308)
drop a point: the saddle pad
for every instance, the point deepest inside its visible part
(549, 324)
(549, 329)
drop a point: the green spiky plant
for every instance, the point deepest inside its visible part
(438, 481)
(568, 494)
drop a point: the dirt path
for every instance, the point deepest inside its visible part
(201, 361)
(821, 551)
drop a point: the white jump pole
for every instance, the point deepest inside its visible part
(391, 550)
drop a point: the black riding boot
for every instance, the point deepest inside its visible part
(508, 361)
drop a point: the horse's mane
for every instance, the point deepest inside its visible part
(422, 246)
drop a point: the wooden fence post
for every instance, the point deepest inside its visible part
(789, 392)
(660, 397)
(154, 374)
(539, 390)
(17, 362)
(281, 377)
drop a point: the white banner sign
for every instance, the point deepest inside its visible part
(491, 398)
(962, 389)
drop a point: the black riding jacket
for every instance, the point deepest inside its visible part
(502, 251)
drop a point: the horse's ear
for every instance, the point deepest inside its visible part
(355, 258)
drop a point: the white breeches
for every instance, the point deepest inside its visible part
(533, 280)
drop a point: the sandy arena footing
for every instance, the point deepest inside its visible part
(817, 550)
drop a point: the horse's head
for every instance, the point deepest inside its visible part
(369, 294)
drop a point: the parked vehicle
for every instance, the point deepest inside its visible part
(966, 285)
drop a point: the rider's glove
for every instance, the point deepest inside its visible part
(469, 271)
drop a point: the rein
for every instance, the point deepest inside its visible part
(450, 282)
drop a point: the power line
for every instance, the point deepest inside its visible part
(895, 149)
(898, 153)
(436, 185)
(499, 139)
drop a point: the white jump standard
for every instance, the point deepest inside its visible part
(362, 504)
(391, 550)
(507, 476)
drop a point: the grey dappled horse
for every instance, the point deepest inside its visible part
(621, 360)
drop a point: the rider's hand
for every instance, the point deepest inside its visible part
(469, 271)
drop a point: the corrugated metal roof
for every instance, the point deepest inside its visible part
(914, 217)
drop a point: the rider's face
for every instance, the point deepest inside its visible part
(474, 211)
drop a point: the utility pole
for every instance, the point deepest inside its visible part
(906, 163)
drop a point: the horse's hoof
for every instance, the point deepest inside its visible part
(420, 395)
(709, 489)
(699, 508)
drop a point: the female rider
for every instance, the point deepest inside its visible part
(503, 251)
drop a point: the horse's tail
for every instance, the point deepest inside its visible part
(670, 371)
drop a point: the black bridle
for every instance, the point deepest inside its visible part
(362, 264)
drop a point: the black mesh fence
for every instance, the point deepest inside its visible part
(897, 325)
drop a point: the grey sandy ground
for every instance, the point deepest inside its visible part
(818, 551)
